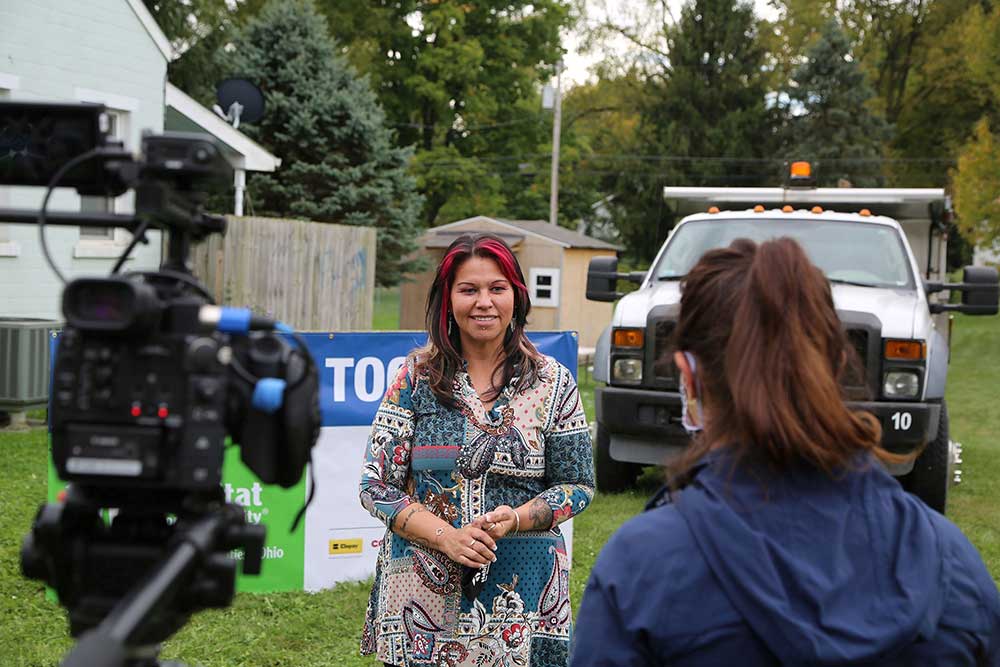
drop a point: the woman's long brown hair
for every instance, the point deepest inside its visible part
(441, 359)
(771, 355)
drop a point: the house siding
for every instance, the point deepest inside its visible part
(67, 52)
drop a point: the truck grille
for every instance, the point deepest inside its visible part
(664, 370)
(856, 382)
(664, 373)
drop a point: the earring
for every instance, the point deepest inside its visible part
(450, 320)
(512, 326)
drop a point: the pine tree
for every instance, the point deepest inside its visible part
(705, 100)
(339, 161)
(831, 122)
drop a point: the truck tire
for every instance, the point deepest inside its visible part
(612, 476)
(929, 478)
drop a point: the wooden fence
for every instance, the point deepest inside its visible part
(311, 275)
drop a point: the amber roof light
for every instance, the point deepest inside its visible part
(800, 170)
(758, 209)
(817, 209)
(713, 209)
(787, 209)
(864, 213)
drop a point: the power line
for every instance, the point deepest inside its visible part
(598, 157)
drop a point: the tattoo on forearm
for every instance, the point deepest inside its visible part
(540, 514)
(406, 521)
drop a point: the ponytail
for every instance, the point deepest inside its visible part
(772, 356)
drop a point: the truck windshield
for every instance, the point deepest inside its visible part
(855, 253)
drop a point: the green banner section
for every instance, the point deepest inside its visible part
(275, 508)
(270, 506)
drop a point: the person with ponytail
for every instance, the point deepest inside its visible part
(479, 450)
(781, 539)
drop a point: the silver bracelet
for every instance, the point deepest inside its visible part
(517, 522)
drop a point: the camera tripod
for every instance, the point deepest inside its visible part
(130, 583)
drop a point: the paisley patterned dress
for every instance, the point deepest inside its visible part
(462, 463)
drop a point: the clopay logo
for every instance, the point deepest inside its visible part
(248, 499)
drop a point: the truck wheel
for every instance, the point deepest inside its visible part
(612, 476)
(929, 478)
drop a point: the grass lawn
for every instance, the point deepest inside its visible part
(386, 313)
(286, 629)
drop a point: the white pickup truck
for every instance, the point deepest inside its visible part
(883, 251)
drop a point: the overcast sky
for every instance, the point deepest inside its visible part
(578, 63)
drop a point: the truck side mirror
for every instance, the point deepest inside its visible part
(980, 289)
(602, 279)
(982, 300)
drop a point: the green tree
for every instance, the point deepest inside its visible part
(977, 187)
(462, 79)
(339, 163)
(976, 180)
(198, 29)
(831, 123)
(704, 118)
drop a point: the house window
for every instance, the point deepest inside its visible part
(116, 129)
(8, 248)
(544, 286)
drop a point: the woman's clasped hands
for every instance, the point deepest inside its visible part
(469, 545)
(474, 545)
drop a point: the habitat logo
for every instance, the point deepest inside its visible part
(249, 499)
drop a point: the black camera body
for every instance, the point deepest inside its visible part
(145, 392)
(150, 381)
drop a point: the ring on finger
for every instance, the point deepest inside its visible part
(492, 526)
(473, 542)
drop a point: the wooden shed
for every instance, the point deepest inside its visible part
(554, 260)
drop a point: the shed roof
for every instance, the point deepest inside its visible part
(567, 238)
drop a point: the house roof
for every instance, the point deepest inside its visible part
(254, 157)
(567, 238)
(154, 30)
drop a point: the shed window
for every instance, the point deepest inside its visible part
(544, 286)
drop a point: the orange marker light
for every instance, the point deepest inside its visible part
(713, 209)
(787, 209)
(817, 209)
(800, 170)
(628, 337)
(758, 209)
(864, 213)
(905, 349)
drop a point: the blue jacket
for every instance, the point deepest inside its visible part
(746, 568)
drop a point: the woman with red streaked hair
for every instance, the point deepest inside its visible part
(479, 450)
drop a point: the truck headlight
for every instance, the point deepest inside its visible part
(901, 384)
(627, 370)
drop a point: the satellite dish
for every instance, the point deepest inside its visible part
(239, 101)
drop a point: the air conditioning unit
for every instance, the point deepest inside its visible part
(24, 362)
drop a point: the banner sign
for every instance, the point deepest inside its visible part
(338, 540)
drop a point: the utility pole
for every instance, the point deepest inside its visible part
(556, 130)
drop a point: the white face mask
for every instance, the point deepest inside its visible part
(691, 423)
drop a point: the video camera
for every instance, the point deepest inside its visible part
(149, 378)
